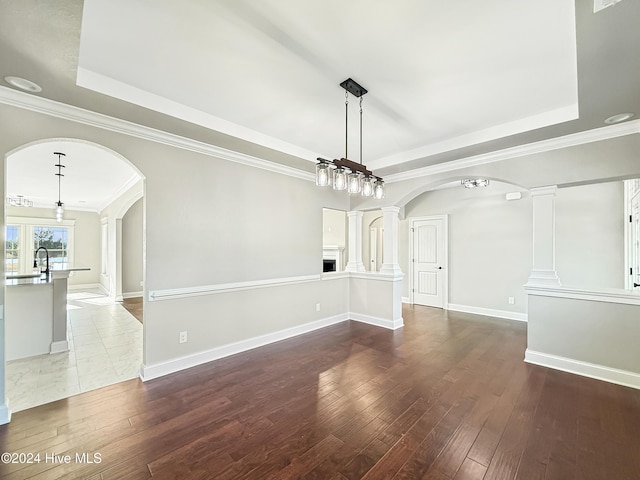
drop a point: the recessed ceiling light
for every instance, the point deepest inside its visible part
(621, 117)
(23, 84)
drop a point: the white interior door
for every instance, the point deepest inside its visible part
(373, 250)
(429, 261)
(635, 242)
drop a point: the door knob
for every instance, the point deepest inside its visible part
(636, 284)
(439, 268)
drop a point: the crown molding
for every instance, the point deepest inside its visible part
(71, 113)
(572, 140)
(64, 111)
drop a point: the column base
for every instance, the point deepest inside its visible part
(391, 269)
(355, 267)
(547, 278)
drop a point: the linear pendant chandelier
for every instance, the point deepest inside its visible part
(345, 174)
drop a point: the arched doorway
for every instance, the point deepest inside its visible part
(104, 342)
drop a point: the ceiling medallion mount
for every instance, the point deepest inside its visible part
(346, 174)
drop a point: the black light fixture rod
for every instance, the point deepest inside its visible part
(354, 88)
(360, 130)
(59, 174)
(346, 124)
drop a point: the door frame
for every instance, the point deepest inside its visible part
(631, 190)
(445, 268)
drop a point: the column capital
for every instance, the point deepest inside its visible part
(355, 213)
(548, 190)
(391, 208)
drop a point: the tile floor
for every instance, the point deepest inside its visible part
(105, 347)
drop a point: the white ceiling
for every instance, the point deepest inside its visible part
(440, 75)
(447, 81)
(93, 176)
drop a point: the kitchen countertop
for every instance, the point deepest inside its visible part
(41, 280)
(21, 280)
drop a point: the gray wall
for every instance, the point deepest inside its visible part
(490, 244)
(490, 240)
(334, 227)
(132, 249)
(213, 222)
(595, 332)
(590, 235)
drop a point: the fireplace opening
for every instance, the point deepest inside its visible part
(328, 265)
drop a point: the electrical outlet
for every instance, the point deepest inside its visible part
(512, 300)
(183, 337)
(317, 307)
(141, 283)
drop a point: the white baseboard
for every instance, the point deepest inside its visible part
(5, 413)
(521, 317)
(87, 286)
(132, 294)
(378, 322)
(58, 347)
(406, 300)
(591, 370)
(149, 372)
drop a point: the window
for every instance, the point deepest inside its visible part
(25, 235)
(56, 241)
(12, 249)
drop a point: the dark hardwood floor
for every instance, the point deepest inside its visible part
(134, 307)
(447, 397)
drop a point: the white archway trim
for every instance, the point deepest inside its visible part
(416, 192)
(76, 140)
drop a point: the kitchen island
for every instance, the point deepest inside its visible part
(36, 314)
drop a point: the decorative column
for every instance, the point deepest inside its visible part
(390, 221)
(355, 242)
(543, 271)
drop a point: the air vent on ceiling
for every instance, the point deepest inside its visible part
(602, 4)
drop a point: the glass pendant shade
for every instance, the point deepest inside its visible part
(353, 183)
(59, 211)
(378, 190)
(339, 179)
(323, 178)
(367, 186)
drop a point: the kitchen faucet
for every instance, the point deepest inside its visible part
(35, 261)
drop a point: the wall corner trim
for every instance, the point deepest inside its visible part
(585, 369)
(155, 295)
(377, 321)
(521, 317)
(5, 413)
(608, 295)
(60, 346)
